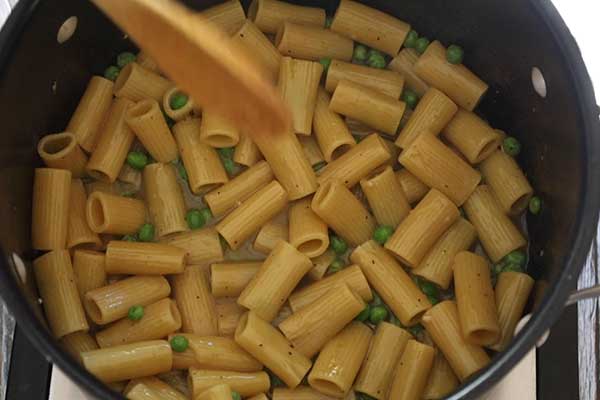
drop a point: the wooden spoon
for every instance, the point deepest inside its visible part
(203, 61)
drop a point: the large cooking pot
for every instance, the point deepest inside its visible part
(41, 82)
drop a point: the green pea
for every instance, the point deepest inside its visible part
(358, 138)
(325, 62)
(498, 267)
(319, 166)
(410, 98)
(206, 214)
(411, 39)
(511, 146)
(416, 329)
(516, 257)
(376, 59)
(112, 72)
(376, 300)
(226, 152)
(378, 314)
(512, 268)
(194, 219)
(360, 53)
(428, 288)
(382, 234)
(182, 172)
(129, 238)
(336, 266)
(178, 100)
(433, 300)
(422, 44)
(235, 395)
(455, 54)
(364, 314)
(146, 233)
(229, 166)
(328, 22)
(137, 160)
(179, 343)
(125, 58)
(135, 313)
(535, 205)
(338, 244)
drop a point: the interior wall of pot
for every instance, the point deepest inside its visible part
(43, 81)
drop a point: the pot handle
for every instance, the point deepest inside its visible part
(583, 294)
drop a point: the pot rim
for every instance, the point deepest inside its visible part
(544, 317)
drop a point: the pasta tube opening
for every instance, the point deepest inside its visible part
(96, 213)
(56, 146)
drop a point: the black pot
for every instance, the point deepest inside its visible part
(41, 82)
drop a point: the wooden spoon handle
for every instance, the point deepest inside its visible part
(203, 61)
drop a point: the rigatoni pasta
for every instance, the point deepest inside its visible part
(330, 130)
(61, 151)
(475, 299)
(247, 152)
(137, 83)
(436, 266)
(114, 140)
(351, 276)
(333, 202)
(268, 345)
(375, 109)
(386, 197)
(313, 326)
(497, 233)
(217, 131)
(77, 342)
(202, 246)
(357, 162)
(245, 383)
(166, 205)
(274, 281)
(159, 320)
(88, 268)
(507, 180)
(138, 258)
(269, 15)
(259, 47)
(443, 325)
(432, 114)
(456, 80)
(214, 352)
(201, 161)
(228, 16)
(470, 134)
(412, 371)
(217, 392)
(370, 26)
(229, 279)
(310, 42)
(436, 165)
(404, 64)
(298, 84)
(147, 122)
(225, 197)
(307, 232)
(151, 388)
(109, 213)
(90, 112)
(112, 302)
(129, 361)
(387, 82)
(413, 188)
(56, 284)
(339, 361)
(377, 371)
(191, 291)
(270, 235)
(415, 236)
(442, 380)
(512, 292)
(50, 208)
(79, 233)
(392, 283)
(259, 208)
